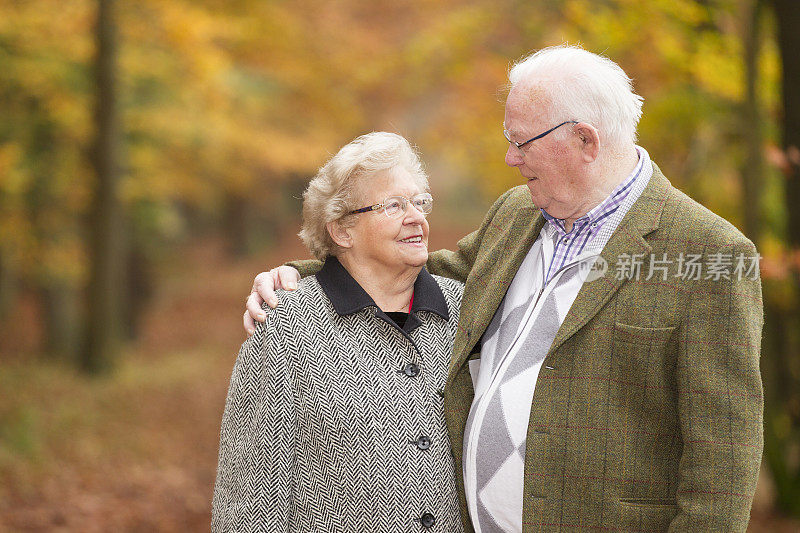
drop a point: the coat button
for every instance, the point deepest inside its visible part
(423, 442)
(411, 370)
(427, 520)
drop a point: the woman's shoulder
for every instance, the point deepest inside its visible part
(306, 298)
(297, 310)
(449, 285)
(452, 290)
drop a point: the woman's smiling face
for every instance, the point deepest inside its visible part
(380, 242)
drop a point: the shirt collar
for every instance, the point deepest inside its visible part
(348, 297)
(605, 208)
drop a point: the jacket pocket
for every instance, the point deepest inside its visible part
(642, 336)
(644, 514)
(643, 361)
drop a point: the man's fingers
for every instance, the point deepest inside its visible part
(263, 291)
(254, 302)
(249, 324)
(287, 277)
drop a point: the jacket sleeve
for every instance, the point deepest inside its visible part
(256, 451)
(720, 402)
(306, 267)
(458, 264)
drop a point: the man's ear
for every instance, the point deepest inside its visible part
(340, 234)
(589, 139)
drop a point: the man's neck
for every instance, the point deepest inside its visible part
(611, 173)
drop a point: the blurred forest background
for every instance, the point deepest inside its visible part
(152, 156)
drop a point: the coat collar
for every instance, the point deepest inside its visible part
(348, 297)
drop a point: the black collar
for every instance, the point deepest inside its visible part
(348, 297)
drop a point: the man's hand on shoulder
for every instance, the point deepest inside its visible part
(264, 286)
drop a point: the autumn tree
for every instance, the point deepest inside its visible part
(106, 238)
(783, 401)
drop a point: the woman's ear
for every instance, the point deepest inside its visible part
(340, 234)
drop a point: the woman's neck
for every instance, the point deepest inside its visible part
(390, 289)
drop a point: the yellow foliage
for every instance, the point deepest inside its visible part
(240, 96)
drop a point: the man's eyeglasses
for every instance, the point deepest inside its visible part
(394, 206)
(520, 145)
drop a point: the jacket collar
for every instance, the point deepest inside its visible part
(348, 297)
(643, 218)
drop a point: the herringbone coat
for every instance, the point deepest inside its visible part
(323, 429)
(647, 414)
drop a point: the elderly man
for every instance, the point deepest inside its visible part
(605, 374)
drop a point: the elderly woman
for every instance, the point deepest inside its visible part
(334, 418)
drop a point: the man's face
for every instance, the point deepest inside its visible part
(552, 165)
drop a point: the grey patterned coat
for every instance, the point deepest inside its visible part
(334, 419)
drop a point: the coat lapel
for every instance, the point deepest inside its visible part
(642, 218)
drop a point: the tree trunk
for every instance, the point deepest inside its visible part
(782, 420)
(102, 328)
(752, 172)
(8, 285)
(787, 15)
(61, 318)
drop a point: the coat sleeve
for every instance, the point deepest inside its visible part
(720, 402)
(458, 264)
(256, 451)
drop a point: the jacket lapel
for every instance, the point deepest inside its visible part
(500, 268)
(642, 218)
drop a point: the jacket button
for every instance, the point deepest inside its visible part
(423, 442)
(427, 520)
(411, 370)
(440, 391)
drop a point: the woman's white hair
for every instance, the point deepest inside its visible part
(586, 87)
(337, 187)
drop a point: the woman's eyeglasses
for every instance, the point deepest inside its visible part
(394, 206)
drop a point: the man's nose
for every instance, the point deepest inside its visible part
(513, 157)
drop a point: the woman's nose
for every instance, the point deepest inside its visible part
(413, 215)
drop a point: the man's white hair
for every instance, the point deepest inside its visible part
(583, 86)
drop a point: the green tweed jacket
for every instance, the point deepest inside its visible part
(647, 413)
